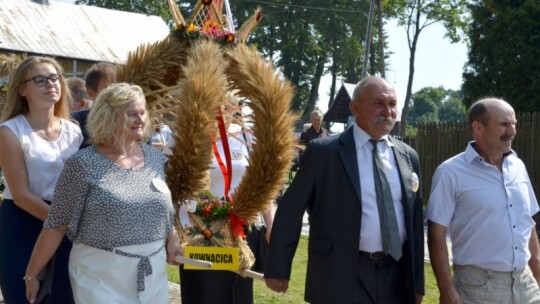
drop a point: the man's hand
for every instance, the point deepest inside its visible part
(277, 285)
(450, 296)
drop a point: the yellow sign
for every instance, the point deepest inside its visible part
(222, 258)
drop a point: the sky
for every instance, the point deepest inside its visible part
(438, 62)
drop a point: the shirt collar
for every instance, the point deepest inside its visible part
(361, 137)
(471, 154)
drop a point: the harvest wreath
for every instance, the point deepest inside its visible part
(212, 72)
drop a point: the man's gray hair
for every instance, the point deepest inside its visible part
(318, 113)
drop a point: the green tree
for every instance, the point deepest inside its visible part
(310, 39)
(425, 105)
(304, 40)
(415, 16)
(435, 104)
(503, 54)
(453, 109)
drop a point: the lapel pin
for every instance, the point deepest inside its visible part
(415, 182)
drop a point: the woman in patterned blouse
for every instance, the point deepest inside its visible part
(112, 202)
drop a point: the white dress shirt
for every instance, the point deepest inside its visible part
(370, 229)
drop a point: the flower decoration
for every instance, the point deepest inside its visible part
(208, 234)
(209, 28)
(229, 37)
(192, 28)
(210, 220)
(211, 209)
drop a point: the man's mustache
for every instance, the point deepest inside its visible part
(380, 118)
(507, 137)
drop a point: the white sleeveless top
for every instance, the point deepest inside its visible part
(44, 159)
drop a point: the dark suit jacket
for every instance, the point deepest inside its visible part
(327, 185)
(81, 117)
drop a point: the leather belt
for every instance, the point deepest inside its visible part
(374, 255)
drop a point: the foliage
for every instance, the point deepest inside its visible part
(306, 40)
(410, 131)
(453, 109)
(435, 104)
(415, 16)
(212, 209)
(503, 54)
(150, 7)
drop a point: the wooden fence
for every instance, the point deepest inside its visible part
(436, 142)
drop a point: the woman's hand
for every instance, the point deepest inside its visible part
(159, 145)
(173, 248)
(32, 288)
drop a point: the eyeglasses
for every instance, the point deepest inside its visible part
(41, 81)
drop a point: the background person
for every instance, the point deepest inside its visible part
(348, 260)
(315, 130)
(78, 98)
(113, 203)
(227, 286)
(98, 77)
(311, 131)
(484, 198)
(160, 135)
(36, 138)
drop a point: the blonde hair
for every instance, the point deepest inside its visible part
(17, 104)
(108, 114)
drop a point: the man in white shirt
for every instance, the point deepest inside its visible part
(484, 199)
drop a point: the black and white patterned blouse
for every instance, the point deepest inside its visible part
(105, 205)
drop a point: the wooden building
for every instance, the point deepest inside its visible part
(76, 35)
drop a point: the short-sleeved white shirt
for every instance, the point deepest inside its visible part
(488, 212)
(44, 159)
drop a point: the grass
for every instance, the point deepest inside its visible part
(295, 294)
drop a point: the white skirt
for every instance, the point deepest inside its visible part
(100, 276)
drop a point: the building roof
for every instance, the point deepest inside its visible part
(339, 111)
(83, 32)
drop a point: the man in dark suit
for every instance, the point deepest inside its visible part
(348, 260)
